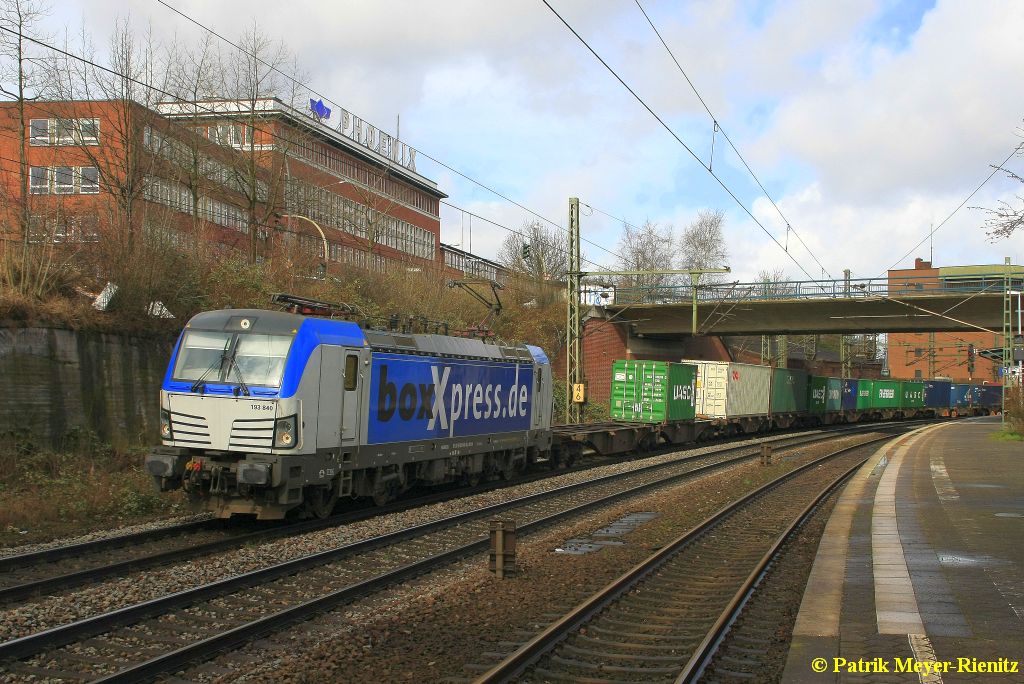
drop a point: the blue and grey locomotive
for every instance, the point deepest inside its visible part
(264, 412)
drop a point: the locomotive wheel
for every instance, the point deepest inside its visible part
(320, 502)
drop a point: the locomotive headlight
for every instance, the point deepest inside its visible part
(165, 424)
(285, 432)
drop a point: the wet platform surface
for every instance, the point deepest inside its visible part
(920, 573)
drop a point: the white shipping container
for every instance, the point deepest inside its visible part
(730, 390)
(709, 399)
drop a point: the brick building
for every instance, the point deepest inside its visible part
(110, 171)
(358, 184)
(946, 355)
(254, 176)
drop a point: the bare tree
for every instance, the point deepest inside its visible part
(1005, 220)
(702, 245)
(537, 260)
(106, 102)
(545, 257)
(251, 75)
(191, 78)
(119, 96)
(772, 282)
(21, 80)
(648, 248)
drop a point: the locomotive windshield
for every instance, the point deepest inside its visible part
(227, 357)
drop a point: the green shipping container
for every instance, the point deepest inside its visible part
(912, 395)
(652, 391)
(824, 394)
(865, 392)
(886, 394)
(789, 391)
(834, 394)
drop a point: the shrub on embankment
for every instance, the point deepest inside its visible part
(80, 486)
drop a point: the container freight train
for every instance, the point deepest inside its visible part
(268, 413)
(743, 398)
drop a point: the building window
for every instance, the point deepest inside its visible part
(39, 180)
(918, 352)
(64, 131)
(63, 229)
(90, 176)
(917, 374)
(230, 135)
(89, 131)
(39, 131)
(64, 180)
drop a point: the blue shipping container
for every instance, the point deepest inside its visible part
(849, 395)
(424, 397)
(937, 393)
(960, 395)
(988, 395)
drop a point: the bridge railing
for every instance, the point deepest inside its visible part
(859, 288)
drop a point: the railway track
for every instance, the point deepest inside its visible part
(59, 569)
(663, 620)
(165, 634)
(49, 571)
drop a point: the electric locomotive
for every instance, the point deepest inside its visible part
(267, 413)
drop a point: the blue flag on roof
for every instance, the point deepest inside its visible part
(321, 110)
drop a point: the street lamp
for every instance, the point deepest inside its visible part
(323, 264)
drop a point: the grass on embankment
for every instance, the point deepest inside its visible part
(81, 488)
(1006, 435)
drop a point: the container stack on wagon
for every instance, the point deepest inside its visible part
(824, 397)
(938, 394)
(652, 391)
(789, 399)
(988, 396)
(732, 390)
(740, 397)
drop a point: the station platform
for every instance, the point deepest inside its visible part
(920, 573)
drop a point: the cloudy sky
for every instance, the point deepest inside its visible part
(867, 121)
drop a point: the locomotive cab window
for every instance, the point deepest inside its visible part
(261, 358)
(351, 372)
(230, 357)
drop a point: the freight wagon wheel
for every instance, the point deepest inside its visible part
(648, 443)
(384, 494)
(320, 501)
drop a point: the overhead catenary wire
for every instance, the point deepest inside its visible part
(720, 129)
(432, 158)
(967, 199)
(679, 140)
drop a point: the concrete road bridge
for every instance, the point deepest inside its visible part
(883, 305)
